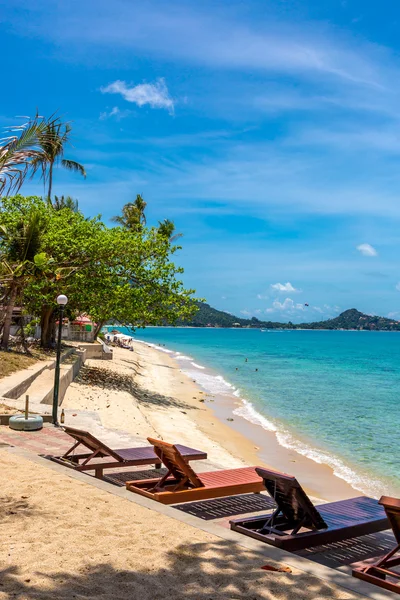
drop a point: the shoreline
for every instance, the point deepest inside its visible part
(253, 443)
(229, 439)
(321, 473)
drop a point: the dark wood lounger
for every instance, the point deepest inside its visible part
(381, 571)
(124, 457)
(182, 484)
(297, 524)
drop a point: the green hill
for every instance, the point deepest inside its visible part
(354, 319)
(207, 316)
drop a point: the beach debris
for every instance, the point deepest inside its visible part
(277, 569)
(230, 419)
(201, 400)
(184, 412)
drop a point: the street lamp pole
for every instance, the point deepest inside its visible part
(61, 301)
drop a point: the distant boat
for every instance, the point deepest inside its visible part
(263, 330)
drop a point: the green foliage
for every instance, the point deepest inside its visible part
(121, 272)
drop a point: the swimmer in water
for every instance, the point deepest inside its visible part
(245, 360)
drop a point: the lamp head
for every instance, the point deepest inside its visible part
(62, 300)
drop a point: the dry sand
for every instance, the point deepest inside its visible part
(164, 402)
(64, 539)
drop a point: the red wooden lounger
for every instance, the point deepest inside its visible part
(182, 484)
(124, 457)
(381, 572)
(297, 524)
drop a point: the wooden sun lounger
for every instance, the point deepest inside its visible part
(124, 457)
(381, 571)
(297, 524)
(182, 484)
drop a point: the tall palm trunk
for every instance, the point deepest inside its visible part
(50, 182)
(8, 316)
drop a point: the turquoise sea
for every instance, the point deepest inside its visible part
(331, 395)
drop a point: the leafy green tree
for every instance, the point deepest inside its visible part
(121, 273)
(20, 261)
(53, 140)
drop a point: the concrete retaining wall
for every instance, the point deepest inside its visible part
(16, 384)
(66, 378)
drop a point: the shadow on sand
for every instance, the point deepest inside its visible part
(219, 570)
(105, 379)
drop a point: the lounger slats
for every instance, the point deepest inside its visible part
(147, 453)
(384, 571)
(230, 477)
(346, 513)
(182, 484)
(122, 457)
(297, 524)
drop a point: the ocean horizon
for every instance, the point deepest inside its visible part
(328, 395)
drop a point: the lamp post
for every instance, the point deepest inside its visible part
(61, 301)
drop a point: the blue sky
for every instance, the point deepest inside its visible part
(268, 131)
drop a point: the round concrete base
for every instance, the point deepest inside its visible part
(32, 423)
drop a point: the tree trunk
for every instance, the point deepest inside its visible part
(45, 326)
(50, 183)
(98, 328)
(8, 316)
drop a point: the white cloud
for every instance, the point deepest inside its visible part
(288, 305)
(262, 297)
(284, 287)
(246, 313)
(398, 286)
(113, 112)
(367, 250)
(155, 94)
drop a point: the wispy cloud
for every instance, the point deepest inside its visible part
(284, 287)
(398, 286)
(367, 250)
(155, 94)
(115, 112)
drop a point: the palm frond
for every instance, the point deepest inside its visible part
(18, 151)
(72, 165)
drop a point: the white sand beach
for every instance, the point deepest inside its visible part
(151, 396)
(66, 539)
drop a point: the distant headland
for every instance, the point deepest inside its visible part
(351, 319)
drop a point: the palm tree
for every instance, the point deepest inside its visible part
(166, 228)
(18, 263)
(133, 216)
(61, 202)
(52, 142)
(18, 150)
